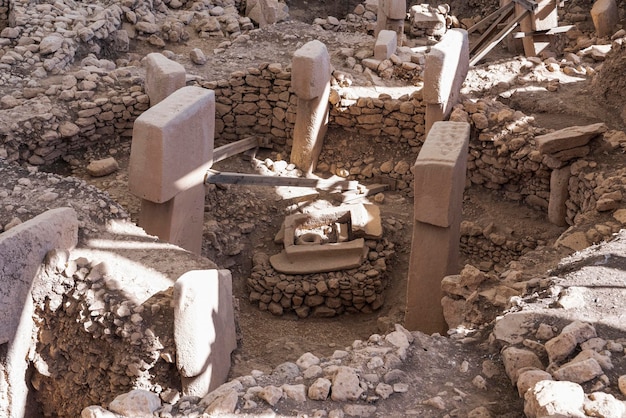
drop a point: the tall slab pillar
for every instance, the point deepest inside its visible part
(446, 67)
(310, 80)
(439, 173)
(171, 151)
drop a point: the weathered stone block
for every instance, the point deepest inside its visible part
(559, 193)
(394, 9)
(385, 45)
(172, 145)
(439, 173)
(310, 70)
(163, 77)
(22, 249)
(605, 16)
(204, 329)
(434, 255)
(444, 73)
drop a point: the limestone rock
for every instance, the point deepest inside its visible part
(579, 371)
(515, 359)
(568, 138)
(197, 56)
(605, 16)
(602, 404)
(50, 44)
(529, 378)
(137, 402)
(104, 167)
(549, 398)
(320, 389)
(346, 385)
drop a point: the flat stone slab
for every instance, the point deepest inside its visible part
(306, 259)
(316, 257)
(22, 250)
(568, 138)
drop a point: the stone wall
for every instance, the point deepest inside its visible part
(4, 12)
(322, 294)
(254, 101)
(89, 107)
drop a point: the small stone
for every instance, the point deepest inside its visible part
(271, 394)
(197, 56)
(137, 402)
(295, 392)
(384, 390)
(104, 167)
(436, 402)
(320, 389)
(307, 360)
(359, 410)
(346, 385)
(621, 383)
(579, 372)
(515, 359)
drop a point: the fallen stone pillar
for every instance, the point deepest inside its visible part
(391, 15)
(605, 16)
(446, 66)
(171, 151)
(439, 174)
(204, 329)
(163, 77)
(310, 81)
(22, 251)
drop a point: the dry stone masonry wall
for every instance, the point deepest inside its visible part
(92, 335)
(323, 294)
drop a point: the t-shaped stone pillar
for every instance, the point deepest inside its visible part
(439, 174)
(391, 16)
(446, 66)
(172, 150)
(310, 80)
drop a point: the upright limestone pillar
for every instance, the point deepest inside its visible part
(163, 77)
(310, 80)
(446, 67)
(391, 16)
(439, 174)
(204, 329)
(171, 151)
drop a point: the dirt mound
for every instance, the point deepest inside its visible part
(610, 83)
